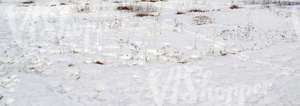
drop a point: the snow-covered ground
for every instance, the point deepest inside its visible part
(185, 53)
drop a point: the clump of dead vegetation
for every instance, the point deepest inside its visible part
(117, 2)
(70, 65)
(137, 9)
(98, 62)
(234, 7)
(27, 3)
(140, 11)
(62, 4)
(180, 13)
(198, 10)
(125, 8)
(201, 20)
(143, 15)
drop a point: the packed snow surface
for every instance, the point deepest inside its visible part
(149, 53)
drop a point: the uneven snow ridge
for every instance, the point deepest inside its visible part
(149, 53)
